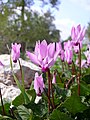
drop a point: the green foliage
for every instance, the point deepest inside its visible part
(57, 115)
(65, 101)
(24, 113)
(73, 104)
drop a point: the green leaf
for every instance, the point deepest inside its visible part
(57, 115)
(88, 70)
(31, 95)
(35, 118)
(18, 84)
(24, 113)
(26, 99)
(5, 118)
(84, 89)
(61, 85)
(36, 108)
(73, 104)
(86, 78)
(18, 100)
(6, 108)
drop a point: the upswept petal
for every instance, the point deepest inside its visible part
(58, 46)
(43, 49)
(78, 29)
(45, 61)
(56, 55)
(51, 62)
(32, 57)
(82, 34)
(37, 46)
(15, 51)
(73, 34)
(51, 50)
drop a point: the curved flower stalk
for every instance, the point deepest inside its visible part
(44, 55)
(77, 35)
(15, 52)
(15, 55)
(38, 84)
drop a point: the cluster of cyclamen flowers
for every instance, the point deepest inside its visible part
(45, 55)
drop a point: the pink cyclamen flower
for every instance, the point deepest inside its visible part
(44, 55)
(15, 52)
(68, 52)
(38, 84)
(77, 35)
(61, 53)
(83, 63)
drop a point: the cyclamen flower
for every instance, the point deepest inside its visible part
(44, 55)
(83, 63)
(61, 53)
(15, 52)
(38, 84)
(68, 52)
(77, 35)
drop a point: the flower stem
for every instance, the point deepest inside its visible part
(69, 82)
(49, 90)
(79, 76)
(48, 99)
(63, 67)
(52, 96)
(3, 110)
(22, 76)
(58, 75)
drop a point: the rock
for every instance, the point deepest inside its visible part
(9, 93)
(28, 76)
(7, 82)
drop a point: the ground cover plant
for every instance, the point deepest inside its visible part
(63, 83)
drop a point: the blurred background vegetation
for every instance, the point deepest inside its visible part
(19, 23)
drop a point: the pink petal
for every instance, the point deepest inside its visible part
(37, 46)
(73, 34)
(78, 29)
(83, 62)
(32, 57)
(43, 49)
(51, 62)
(51, 50)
